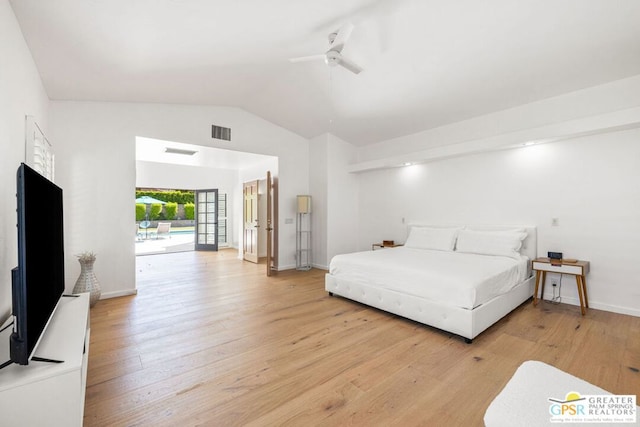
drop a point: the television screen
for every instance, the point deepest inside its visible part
(38, 281)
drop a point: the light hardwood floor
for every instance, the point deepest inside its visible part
(210, 340)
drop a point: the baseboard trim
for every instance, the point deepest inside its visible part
(597, 305)
(116, 294)
(614, 309)
(293, 267)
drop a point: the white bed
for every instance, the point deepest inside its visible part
(458, 279)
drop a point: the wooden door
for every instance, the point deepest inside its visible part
(270, 266)
(250, 240)
(206, 220)
(274, 223)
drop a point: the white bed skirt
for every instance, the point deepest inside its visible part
(459, 321)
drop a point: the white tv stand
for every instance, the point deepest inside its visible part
(50, 394)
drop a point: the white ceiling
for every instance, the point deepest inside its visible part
(154, 150)
(426, 62)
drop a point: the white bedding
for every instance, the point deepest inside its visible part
(448, 277)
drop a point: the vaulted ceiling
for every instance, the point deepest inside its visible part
(426, 62)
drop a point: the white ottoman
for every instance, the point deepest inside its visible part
(524, 401)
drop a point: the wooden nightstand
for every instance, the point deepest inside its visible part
(579, 269)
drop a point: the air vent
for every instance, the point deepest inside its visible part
(179, 151)
(219, 132)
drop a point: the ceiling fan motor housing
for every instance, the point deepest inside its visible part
(332, 58)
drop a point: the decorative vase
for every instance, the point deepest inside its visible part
(88, 282)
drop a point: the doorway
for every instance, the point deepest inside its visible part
(251, 212)
(159, 166)
(260, 213)
(164, 220)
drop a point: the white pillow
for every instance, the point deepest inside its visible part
(440, 239)
(495, 229)
(501, 243)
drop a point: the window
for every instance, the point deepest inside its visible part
(38, 150)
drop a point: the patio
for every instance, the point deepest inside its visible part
(181, 240)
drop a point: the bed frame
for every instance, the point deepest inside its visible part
(456, 320)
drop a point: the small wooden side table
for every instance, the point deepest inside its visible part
(382, 245)
(577, 268)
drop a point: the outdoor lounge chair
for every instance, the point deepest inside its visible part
(164, 228)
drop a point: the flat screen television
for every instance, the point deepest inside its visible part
(38, 280)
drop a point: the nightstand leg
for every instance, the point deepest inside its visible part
(535, 292)
(544, 280)
(582, 309)
(584, 290)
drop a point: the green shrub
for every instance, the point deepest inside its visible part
(189, 211)
(141, 211)
(156, 210)
(175, 196)
(170, 210)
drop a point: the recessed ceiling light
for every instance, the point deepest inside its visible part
(406, 164)
(179, 151)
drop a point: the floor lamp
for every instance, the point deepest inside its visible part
(303, 233)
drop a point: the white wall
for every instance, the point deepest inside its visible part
(318, 189)
(21, 94)
(165, 175)
(334, 193)
(591, 184)
(342, 201)
(594, 164)
(172, 176)
(97, 169)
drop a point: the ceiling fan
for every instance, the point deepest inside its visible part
(333, 56)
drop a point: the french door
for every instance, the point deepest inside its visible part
(250, 238)
(272, 232)
(206, 220)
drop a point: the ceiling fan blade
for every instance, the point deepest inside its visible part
(342, 36)
(349, 65)
(307, 58)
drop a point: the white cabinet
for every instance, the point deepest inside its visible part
(50, 394)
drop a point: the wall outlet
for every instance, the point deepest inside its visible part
(288, 220)
(555, 222)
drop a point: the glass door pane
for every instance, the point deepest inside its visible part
(222, 220)
(207, 220)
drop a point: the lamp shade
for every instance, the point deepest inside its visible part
(304, 204)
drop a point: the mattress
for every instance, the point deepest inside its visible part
(447, 277)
